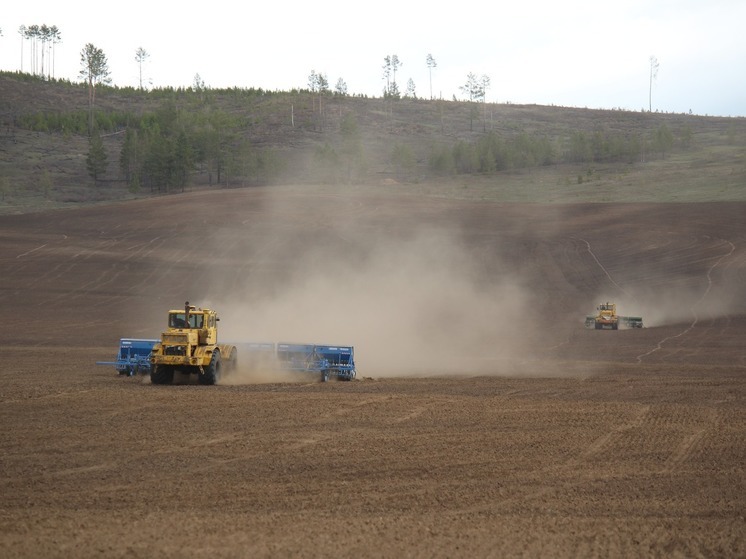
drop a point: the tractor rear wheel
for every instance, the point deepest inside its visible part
(161, 374)
(211, 373)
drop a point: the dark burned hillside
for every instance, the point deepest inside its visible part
(167, 141)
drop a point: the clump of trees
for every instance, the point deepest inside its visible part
(391, 65)
(494, 153)
(74, 122)
(162, 149)
(97, 159)
(42, 39)
(345, 161)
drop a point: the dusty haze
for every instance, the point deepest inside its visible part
(410, 306)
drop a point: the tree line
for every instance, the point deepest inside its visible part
(162, 149)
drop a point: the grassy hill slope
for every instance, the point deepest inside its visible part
(396, 143)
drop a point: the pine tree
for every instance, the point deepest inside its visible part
(96, 161)
(94, 69)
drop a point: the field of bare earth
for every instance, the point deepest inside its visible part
(484, 421)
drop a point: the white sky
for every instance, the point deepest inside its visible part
(580, 53)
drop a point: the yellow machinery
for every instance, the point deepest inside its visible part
(607, 319)
(190, 346)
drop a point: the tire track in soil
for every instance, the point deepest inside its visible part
(690, 442)
(604, 441)
(134, 457)
(672, 430)
(36, 255)
(693, 308)
(65, 269)
(30, 251)
(605, 272)
(667, 429)
(603, 268)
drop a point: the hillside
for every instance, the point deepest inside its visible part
(434, 147)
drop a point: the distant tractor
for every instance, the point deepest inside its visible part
(607, 319)
(190, 346)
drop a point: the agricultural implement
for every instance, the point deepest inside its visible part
(608, 319)
(326, 361)
(133, 356)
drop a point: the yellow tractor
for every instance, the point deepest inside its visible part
(607, 319)
(190, 346)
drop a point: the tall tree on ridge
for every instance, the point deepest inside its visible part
(387, 72)
(475, 89)
(653, 74)
(395, 65)
(430, 65)
(44, 38)
(141, 55)
(94, 70)
(55, 37)
(390, 65)
(485, 84)
(22, 33)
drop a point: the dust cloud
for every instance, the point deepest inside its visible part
(417, 304)
(686, 305)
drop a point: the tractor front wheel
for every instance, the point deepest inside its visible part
(160, 374)
(211, 373)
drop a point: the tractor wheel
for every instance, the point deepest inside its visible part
(232, 362)
(212, 371)
(160, 374)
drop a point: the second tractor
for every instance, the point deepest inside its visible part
(608, 319)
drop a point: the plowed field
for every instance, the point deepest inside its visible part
(484, 421)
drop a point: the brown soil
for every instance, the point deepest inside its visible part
(485, 420)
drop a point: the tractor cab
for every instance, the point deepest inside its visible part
(200, 325)
(607, 311)
(179, 319)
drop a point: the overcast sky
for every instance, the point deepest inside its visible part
(578, 53)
